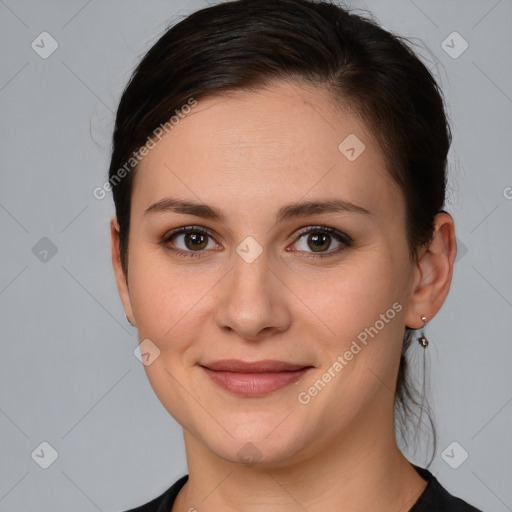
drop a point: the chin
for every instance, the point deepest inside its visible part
(258, 447)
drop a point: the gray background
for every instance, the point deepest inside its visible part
(68, 373)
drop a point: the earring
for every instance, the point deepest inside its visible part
(129, 321)
(422, 340)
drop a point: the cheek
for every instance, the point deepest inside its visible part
(363, 309)
(352, 297)
(362, 346)
(169, 300)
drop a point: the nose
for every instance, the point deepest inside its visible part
(253, 300)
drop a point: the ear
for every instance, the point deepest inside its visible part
(433, 273)
(121, 279)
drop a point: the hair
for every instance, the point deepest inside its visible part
(251, 44)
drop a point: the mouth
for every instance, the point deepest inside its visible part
(257, 378)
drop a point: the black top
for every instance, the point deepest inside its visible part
(435, 498)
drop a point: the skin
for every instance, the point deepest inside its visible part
(248, 154)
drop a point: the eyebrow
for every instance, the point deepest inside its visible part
(286, 212)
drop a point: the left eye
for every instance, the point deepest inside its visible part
(320, 240)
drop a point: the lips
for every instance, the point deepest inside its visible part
(254, 378)
(266, 366)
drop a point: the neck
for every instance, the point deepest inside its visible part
(360, 470)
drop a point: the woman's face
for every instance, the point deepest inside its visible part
(263, 276)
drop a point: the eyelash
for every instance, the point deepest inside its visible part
(340, 237)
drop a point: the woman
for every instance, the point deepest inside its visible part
(278, 172)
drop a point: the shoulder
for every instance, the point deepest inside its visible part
(164, 502)
(436, 497)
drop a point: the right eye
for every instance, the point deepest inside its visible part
(189, 241)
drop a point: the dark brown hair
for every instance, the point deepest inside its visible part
(247, 44)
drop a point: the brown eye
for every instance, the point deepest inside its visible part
(322, 240)
(318, 242)
(189, 240)
(195, 241)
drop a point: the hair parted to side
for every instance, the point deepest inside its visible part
(250, 44)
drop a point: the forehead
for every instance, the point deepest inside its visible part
(275, 144)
